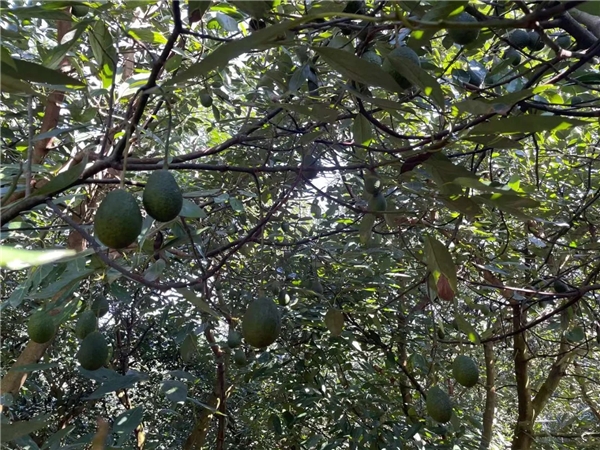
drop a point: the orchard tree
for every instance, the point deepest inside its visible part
(300, 224)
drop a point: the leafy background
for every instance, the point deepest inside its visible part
(490, 177)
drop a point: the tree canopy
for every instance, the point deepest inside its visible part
(300, 224)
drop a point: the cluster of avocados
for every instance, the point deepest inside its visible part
(438, 403)
(118, 221)
(93, 350)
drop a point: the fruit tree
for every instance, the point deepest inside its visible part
(300, 224)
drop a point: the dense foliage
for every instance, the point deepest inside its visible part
(408, 181)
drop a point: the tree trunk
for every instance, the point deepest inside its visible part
(490, 398)
(522, 438)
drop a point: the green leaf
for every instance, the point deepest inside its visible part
(53, 59)
(5, 58)
(254, 8)
(12, 85)
(191, 210)
(526, 124)
(147, 35)
(188, 349)
(11, 431)
(40, 12)
(197, 8)
(510, 199)
(35, 367)
(230, 50)
(114, 382)
(419, 77)
(463, 205)
(193, 298)
(37, 73)
(155, 270)
(357, 69)
(175, 391)
(467, 328)
(17, 258)
(236, 205)
(439, 260)
(63, 180)
(361, 130)
(125, 423)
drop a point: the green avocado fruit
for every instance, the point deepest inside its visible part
(535, 41)
(239, 357)
(465, 371)
(100, 306)
(162, 197)
(372, 57)
(234, 339)
(405, 53)
(513, 56)
(118, 221)
(563, 41)
(261, 323)
(206, 99)
(86, 324)
(80, 10)
(438, 404)
(40, 327)
(93, 351)
(519, 39)
(463, 36)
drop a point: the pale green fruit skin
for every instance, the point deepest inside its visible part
(86, 324)
(372, 57)
(234, 339)
(40, 327)
(261, 323)
(162, 197)
(118, 221)
(463, 37)
(439, 405)
(400, 52)
(535, 41)
(513, 56)
(239, 357)
(93, 351)
(519, 38)
(465, 371)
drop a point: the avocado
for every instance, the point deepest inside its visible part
(93, 351)
(234, 339)
(162, 197)
(438, 404)
(405, 53)
(465, 371)
(86, 324)
(239, 357)
(118, 221)
(80, 10)
(40, 327)
(206, 99)
(513, 56)
(535, 41)
(519, 39)
(463, 36)
(261, 323)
